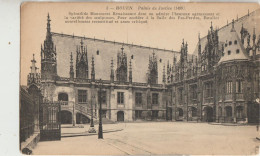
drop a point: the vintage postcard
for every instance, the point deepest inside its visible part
(139, 78)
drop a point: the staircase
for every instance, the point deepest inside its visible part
(87, 112)
(84, 110)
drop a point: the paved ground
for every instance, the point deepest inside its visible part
(157, 138)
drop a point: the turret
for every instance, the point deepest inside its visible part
(71, 68)
(130, 72)
(112, 72)
(92, 70)
(33, 77)
(48, 56)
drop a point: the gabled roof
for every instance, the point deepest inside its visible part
(233, 49)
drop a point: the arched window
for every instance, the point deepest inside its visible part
(235, 42)
(237, 51)
(63, 97)
(230, 42)
(229, 52)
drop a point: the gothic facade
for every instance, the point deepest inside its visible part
(219, 82)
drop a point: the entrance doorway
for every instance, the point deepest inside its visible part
(208, 116)
(253, 113)
(228, 111)
(169, 113)
(120, 116)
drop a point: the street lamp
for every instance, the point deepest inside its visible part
(91, 128)
(100, 130)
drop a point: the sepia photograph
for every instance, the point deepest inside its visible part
(139, 78)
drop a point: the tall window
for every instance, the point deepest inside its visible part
(82, 96)
(239, 86)
(138, 99)
(229, 87)
(193, 92)
(155, 97)
(180, 93)
(208, 90)
(103, 95)
(120, 98)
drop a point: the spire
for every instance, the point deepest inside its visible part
(92, 70)
(71, 67)
(122, 49)
(81, 44)
(174, 59)
(48, 23)
(233, 28)
(199, 47)
(112, 71)
(48, 34)
(164, 80)
(211, 27)
(33, 77)
(130, 72)
(33, 67)
(254, 36)
(48, 55)
(81, 61)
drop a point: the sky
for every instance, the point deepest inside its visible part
(162, 34)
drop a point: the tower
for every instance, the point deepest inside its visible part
(48, 56)
(82, 61)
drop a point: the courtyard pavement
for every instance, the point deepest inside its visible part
(156, 138)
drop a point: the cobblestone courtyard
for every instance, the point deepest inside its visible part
(156, 138)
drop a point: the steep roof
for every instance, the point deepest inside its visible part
(247, 21)
(234, 49)
(107, 50)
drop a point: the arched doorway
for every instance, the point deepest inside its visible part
(179, 113)
(228, 111)
(82, 119)
(193, 111)
(253, 112)
(169, 113)
(208, 114)
(66, 117)
(239, 112)
(220, 118)
(120, 116)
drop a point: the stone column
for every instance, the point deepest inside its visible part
(245, 112)
(73, 115)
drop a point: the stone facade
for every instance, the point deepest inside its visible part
(144, 83)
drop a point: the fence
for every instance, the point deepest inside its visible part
(26, 115)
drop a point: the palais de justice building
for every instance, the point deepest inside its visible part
(218, 82)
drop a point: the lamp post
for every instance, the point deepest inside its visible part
(100, 130)
(92, 128)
